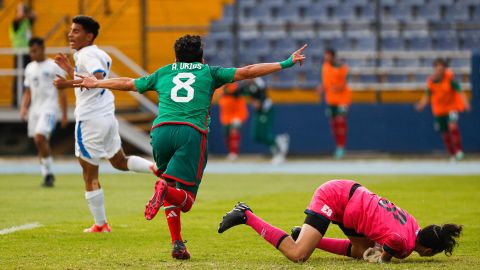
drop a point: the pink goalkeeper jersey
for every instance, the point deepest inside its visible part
(381, 221)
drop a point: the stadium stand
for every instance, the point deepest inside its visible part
(407, 29)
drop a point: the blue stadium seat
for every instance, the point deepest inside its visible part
(340, 43)
(446, 43)
(397, 78)
(311, 79)
(364, 44)
(407, 62)
(344, 12)
(387, 62)
(420, 78)
(401, 12)
(289, 12)
(430, 12)
(285, 79)
(460, 62)
(419, 43)
(393, 43)
(356, 62)
(282, 45)
(470, 42)
(315, 13)
(368, 78)
(457, 12)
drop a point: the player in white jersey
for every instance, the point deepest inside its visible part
(96, 131)
(40, 104)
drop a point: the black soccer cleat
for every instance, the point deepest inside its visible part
(296, 232)
(48, 180)
(179, 251)
(235, 217)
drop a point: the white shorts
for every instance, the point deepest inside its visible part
(97, 138)
(41, 123)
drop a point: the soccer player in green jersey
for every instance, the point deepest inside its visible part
(179, 133)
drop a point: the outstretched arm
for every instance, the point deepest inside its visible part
(419, 106)
(122, 84)
(258, 70)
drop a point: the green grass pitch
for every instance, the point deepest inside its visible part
(280, 199)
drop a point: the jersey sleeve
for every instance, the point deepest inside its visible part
(222, 76)
(146, 83)
(395, 245)
(94, 65)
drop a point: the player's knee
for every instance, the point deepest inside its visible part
(39, 139)
(297, 256)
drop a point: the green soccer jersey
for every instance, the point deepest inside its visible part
(185, 92)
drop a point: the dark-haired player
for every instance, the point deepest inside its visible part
(96, 130)
(179, 133)
(338, 97)
(448, 100)
(377, 229)
(40, 104)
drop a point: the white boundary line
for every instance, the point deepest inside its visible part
(23, 227)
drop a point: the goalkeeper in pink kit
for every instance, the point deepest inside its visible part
(377, 229)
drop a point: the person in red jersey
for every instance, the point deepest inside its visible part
(377, 229)
(448, 100)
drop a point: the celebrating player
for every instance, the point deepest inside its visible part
(338, 97)
(179, 133)
(447, 99)
(96, 130)
(364, 217)
(263, 120)
(40, 104)
(233, 113)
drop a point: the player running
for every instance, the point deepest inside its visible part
(179, 133)
(364, 217)
(447, 99)
(263, 120)
(338, 97)
(96, 130)
(40, 104)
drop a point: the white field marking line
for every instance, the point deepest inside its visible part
(23, 227)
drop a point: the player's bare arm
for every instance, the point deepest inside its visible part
(122, 83)
(258, 70)
(466, 103)
(419, 106)
(27, 95)
(62, 83)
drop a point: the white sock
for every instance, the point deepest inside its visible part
(138, 164)
(46, 165)
(96, 205)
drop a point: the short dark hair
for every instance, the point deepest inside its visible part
(331, 51)
(89, 24)
(440, 238)
(189, 49)
(36, 41)
(440, 61)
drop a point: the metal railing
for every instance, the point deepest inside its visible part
(144, 102)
